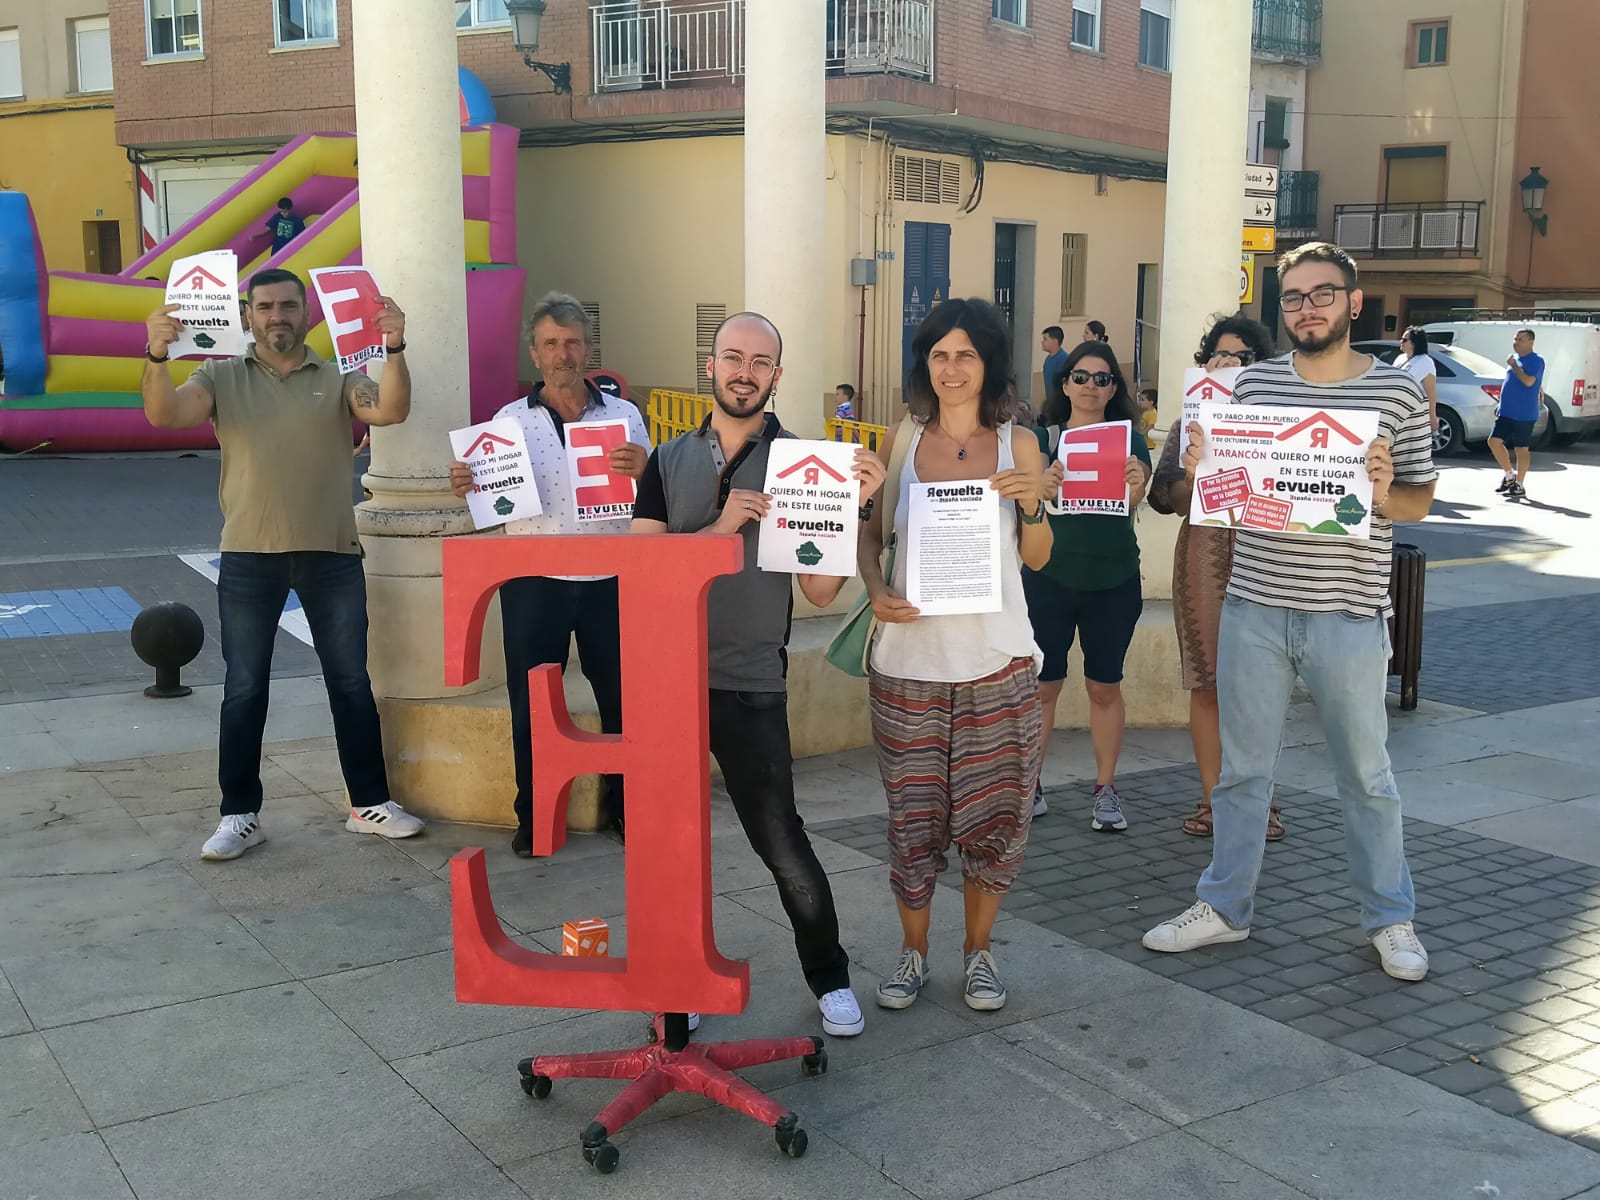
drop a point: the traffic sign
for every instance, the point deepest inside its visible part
(1261, 178)
(1260, 210)
(1261, 239)
(1247, 278)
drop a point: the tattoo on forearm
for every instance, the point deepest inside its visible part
(366, 393)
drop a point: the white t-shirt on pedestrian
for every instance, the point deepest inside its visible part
(1418, 366)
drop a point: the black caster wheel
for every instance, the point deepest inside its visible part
(602, 1158)
(815, 1064)
(791, 1141)
(537, 1086)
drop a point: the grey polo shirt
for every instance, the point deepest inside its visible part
(748, 614)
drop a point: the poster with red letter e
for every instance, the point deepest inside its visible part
(350, 305)
(1095, 462)
(598, 493)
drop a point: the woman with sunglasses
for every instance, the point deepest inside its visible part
(1417, 362)
(1090, 586)
(1201, 564)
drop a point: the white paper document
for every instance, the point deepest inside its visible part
(811, 526)
(953, 548)
(1201, 386)
(206, 287)
(503, 488)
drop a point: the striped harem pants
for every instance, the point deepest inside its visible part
(959, 763)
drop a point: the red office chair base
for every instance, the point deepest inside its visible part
(672, 1063)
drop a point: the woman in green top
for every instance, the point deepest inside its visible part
(1090, 586)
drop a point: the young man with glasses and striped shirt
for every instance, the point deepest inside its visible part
(1315, 608)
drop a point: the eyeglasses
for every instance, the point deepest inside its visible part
(1320, 297)
(1245, 357)
(761, 368)
(1099, 378)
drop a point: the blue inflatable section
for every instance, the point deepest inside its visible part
(22, 293)
(477, 104)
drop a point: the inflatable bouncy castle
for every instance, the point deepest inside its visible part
(73, 344)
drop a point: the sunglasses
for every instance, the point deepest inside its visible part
(1099, 378)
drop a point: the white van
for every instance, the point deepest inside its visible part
(1571, 353)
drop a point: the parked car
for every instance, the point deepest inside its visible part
(1468, 391)
(1571, 353)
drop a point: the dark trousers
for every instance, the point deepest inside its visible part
(750, 740)
(541, 617)
(251, 591)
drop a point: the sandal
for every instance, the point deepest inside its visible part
(1199, 825)
(1275, 830)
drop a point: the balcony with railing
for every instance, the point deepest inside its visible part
(1444, 229)
(1297, 202)
(667, 43)
(1287, 31)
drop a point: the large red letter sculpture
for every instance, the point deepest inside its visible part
(672, 962)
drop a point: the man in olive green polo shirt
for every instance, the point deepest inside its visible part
(282, 415)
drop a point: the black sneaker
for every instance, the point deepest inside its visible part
(522, 842)
(1506, 482)
(1516, 491)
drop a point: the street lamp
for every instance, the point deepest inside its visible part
(1533, 188)
(526, 18)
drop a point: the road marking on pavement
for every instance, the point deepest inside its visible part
(1510, 556)
(293, 621)
(66, 612)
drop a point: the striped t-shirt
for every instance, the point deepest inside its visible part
(1328, 574)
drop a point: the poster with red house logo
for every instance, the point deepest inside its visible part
(1201, 386)
(503, 487)
(350, 304)
(598, 492)
(1288, 469)
(205, 287)
(1094, 461)
(811, 525)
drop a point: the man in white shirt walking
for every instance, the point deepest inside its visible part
(542, 615)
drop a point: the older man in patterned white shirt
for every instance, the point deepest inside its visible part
(541, 616)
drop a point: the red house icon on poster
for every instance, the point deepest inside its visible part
(488, 443)
(202, 280)
(1319, 437)
(1207, 388)
(813, 467)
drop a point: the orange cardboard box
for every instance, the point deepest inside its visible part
(588, 938)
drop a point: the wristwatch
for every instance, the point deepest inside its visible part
(1038, 515)
(865, 511)
(400, 349)
(164, 358)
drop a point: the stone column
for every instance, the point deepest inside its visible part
(408, 128)
(786, 273)
(1205, 178)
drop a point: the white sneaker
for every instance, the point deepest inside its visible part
(1039, 805)
(235, 834)
(841, 1015)
(1402, 953)
(386, 820)
(1196, 926)
(694, 1021)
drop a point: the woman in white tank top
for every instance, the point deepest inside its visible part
(955, 699)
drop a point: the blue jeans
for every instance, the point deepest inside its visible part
(251, 591)
(1344, 662)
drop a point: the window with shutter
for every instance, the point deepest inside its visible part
(706, 319)
(593, 362)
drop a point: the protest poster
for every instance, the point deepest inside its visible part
(598, 492)
(953, 548)
(1288, 469)
(1094, 459)
(811, 525)
(503, 487)
(1201, 386)
(351, 306)
(206, 289)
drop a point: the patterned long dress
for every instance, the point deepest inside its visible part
(1202, 560)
